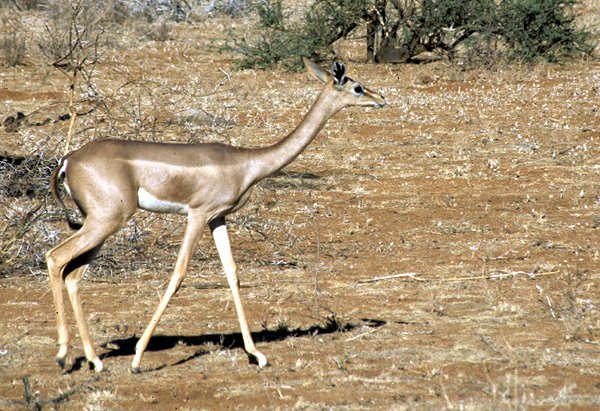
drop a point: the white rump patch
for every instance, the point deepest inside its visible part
(63, 172)
(147, 201)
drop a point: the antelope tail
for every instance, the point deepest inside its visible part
(59, 174)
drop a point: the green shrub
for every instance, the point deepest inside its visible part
(470, 15)
(279, 40)
(441, 24)
(526, 30)
(535, 29)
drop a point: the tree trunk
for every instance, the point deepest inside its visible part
(374, 28)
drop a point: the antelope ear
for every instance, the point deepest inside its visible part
(339, 73)
(316, 70)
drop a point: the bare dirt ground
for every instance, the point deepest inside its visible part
(440, 253)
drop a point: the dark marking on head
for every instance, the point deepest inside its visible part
(339, 73)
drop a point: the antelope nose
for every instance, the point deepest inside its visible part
(381, 102)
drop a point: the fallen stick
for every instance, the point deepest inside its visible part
(388, 277)
(495, 276)
(498, 276)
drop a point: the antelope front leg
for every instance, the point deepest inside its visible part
(219, 232)
(190, 239)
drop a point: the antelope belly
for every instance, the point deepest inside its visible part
(147, 201)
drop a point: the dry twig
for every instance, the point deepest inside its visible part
(497, 276)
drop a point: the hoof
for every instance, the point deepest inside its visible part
(136, 370)
(97, 364)
(61, 362)
(261, 360)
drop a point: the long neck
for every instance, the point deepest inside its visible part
(268, 160)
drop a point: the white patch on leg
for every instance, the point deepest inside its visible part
(147, 201)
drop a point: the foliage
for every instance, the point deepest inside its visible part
(545, 29)
(426, 25)
(278, 39)
(432, 18)
(525, 30)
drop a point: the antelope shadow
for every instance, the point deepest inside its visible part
(123, 347)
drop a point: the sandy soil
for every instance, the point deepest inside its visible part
(440, 253)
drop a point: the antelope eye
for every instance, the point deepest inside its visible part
(358, 89)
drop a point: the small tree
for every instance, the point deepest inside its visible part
(278, 39)
(399, 30)
(73, 47)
